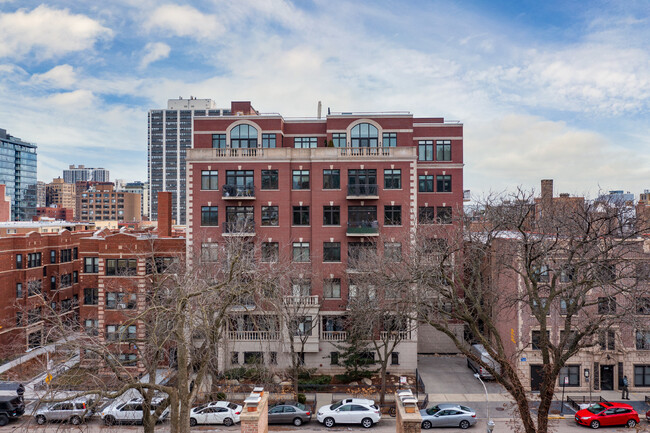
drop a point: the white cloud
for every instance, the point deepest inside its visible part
(184, 21)
(74, 100)
(47, 33)
(59, 77)
(520, 150)
(154, 51)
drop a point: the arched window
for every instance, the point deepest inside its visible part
(243, 136)
(364, 135)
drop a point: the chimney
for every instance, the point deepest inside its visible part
(547, 190)
(164, 214)
(320, 109)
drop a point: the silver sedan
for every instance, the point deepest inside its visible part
(448, 415)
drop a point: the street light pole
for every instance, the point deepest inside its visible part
(490, 423)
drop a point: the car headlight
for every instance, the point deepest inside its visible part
(585, 417)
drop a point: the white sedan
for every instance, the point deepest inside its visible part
(218, 412)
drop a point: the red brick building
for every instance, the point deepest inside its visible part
(39, 273)
(97, 279)
(320, 191)
(56, 213)
(5, 204)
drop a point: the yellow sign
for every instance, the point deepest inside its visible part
(512, 335)
(48, 378)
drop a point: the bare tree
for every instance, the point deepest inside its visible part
(375, 305)
(555, 261)
(298, 309)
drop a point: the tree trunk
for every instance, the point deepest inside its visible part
(294, 374)
(382, 393)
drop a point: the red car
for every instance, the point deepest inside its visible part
(608, 414)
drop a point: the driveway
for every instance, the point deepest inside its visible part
(451, 375)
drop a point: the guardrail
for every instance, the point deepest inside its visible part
(301, 300)
(253, 335)
(333, 335)
(575, 400)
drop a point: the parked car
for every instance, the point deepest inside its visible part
(647, 416)
(75, 411)
(11, 407)
(349, 411)
(605, 414)
(479, 351)
(289, 413)
(12, 404)
(448, 415)
(131, 411)
(216, 412)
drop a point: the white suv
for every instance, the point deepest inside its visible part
(131, 411)
(350, 411)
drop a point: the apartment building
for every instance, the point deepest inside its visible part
(169, 136)
(61, 195)
(82, 173)
(102, 203)
(39, 275)
(114, 277)
(5, 205)
(18, 173)
(320, 191)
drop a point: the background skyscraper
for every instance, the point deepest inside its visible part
(18, 173)
(170, 133)
(82, 173)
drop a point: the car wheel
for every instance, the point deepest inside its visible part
(40, 420)
(329, 422)
(75, 420)
(297, 422)
(366, 423)
(426, 425)
(4, 420)
(595, 424)
(227, 422)
(631, 423)
(109, 420)
(464, 424)
(392, 411)
(193, 422)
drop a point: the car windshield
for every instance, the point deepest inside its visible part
(336, 405)
(202, 406)
(300, 406)
(597, 408)
(433, 410)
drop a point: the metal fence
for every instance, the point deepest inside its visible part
(576, 400)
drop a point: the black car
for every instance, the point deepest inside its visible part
(11, 407)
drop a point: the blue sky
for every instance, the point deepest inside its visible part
(554, 89)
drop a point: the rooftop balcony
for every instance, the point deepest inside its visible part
(394, 335)
(238, 192)
(406, 153)
(363, 192)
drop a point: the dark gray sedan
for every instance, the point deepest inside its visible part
(448, 415)
(289, 413)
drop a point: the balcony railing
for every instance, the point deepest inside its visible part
(253, 335)
(394, 335)
(364, 151)
(333, 335)
(238, 228)
(238, 192)
(301, 300)
(363, 191)
(238, 153)
(406, 153)
(363, 228)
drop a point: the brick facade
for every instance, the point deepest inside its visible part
(412, 163)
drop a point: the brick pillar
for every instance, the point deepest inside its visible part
(255, 419)
(408, 420)
(164, 214)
